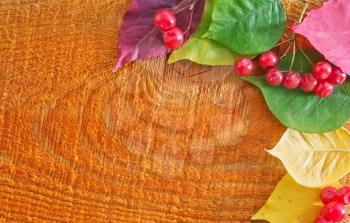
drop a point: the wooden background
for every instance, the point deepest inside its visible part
(153, 143)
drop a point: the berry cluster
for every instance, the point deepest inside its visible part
(165, 21)
(321, 81)
(335, 202)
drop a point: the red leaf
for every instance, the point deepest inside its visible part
(139, 39)
(328, 30)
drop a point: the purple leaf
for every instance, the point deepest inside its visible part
(139, 39)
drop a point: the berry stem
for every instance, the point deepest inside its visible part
(293, 58)
(285, 41)
(304, 11)
(191, 17)
(292, 40)
(305, 55)
(179, 8)
(175, 8)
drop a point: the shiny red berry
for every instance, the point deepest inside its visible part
(345, 199)
(274, 77)
(165, 19)
(337, 76)
(244, 66)
(173, 38)
(323, 89)
(268, 60)
(333, 211)
(343, 195)
(308, 82)
(291, 80)
(328, 194)
(322, 70)
(321, 220)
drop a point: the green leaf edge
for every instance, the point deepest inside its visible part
(253, 80)
(284, 20)
(228, 57)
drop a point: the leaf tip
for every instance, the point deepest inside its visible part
(122, 59)
(116, 68)
(171, 59)
(271, 152)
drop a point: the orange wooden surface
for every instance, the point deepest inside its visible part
(79, 144)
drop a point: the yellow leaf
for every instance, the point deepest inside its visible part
(315, 160)
(291, 202)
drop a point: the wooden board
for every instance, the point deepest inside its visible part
(152, 143)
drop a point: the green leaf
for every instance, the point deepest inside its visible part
(203, 50)
(291, 203)
(302, 111)
(247, 27)
(315, 160)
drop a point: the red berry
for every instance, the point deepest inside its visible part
(322, 70)
(291, 80)
(308, 82)
(337, 76)
(333, 211)
(345, 199)
(165, 19)
(274, 77)
(328, 194)
(244, 66)
(268, 60)
(173, 38)
(343, 195)
(323, 89)
(321, 220)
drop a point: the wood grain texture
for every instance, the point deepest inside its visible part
(153, 143)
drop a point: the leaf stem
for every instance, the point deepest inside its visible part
(292, 40)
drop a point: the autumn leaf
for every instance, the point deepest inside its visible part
(328, 30)
(314, 160)
(139, 39)
(202, 50)
(291, 202)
